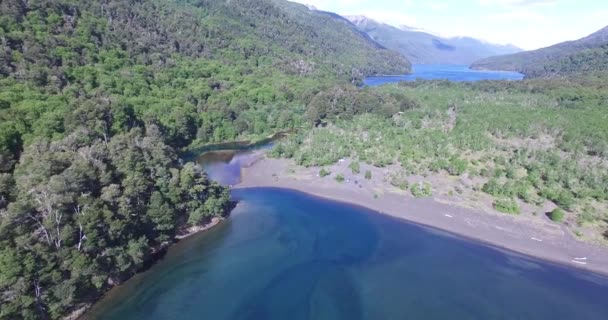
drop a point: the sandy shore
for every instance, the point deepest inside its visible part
(196, 229)
(538, 237)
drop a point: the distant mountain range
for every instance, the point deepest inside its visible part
(424, 48)
(589, 54)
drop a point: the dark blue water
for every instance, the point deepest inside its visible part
(456, 73)
(286, 255)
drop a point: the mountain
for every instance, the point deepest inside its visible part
(588, 54)
(425, 48)
(98, 102)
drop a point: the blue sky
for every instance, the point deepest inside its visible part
(529, 24)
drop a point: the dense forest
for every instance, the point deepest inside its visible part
(535, 144)
(589, 54)
(99, 98)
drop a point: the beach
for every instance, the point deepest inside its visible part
(537, 237)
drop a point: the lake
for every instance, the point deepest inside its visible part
(458, 73)
(287, 255)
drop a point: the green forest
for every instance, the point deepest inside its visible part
(586, 55)
(528, 142)
(98, 100)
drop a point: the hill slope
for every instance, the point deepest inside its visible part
(424, 48)
(584, 55)
(97, 98)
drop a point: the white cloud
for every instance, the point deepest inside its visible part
(391, 17)
(326, 4)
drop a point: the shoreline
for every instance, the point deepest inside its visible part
(87, 310)
(543, 240)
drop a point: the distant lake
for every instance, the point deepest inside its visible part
(287, 255)
(457, 73)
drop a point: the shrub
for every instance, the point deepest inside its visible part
(565, 200)
(557, 215)
(508, 205)
(368, 175)
(355, 167)
(324, 173)
(492, 187)
(340, 178)
(457, 166)
(587, 216)
(421, 190)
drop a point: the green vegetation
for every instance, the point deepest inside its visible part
(536, 141)
(324, 173)
(355, 167)
(586, 55)
(507, 205)
(557, 215)
(399, 180)
(421, 190)
(99, 98)
(339, 178)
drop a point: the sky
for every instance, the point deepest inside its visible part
(528, 24)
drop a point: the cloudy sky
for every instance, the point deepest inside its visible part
(529, 24)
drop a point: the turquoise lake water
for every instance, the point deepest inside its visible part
(456, 73)
(287, 255)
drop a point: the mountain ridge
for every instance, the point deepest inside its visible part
(423, 47)
(586, 54)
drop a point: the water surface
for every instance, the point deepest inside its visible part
(456, 73)
(287, 255)
(224, 166)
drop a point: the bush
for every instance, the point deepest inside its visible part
(587, 216)
(457, 166)
(565, 200)
(557, 215)
(509, 206)
(492, 187)
(421, 190)
(368, 175)
(355, 167)
(324, 173)
(340, 178)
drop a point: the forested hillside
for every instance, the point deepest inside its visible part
(98, 98)
(589, 54)
(424, 48)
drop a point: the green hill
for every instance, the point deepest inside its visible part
(97, 100)
(589, 54)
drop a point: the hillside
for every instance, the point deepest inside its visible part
(99, 98)
(588, 54)
(424, 48)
